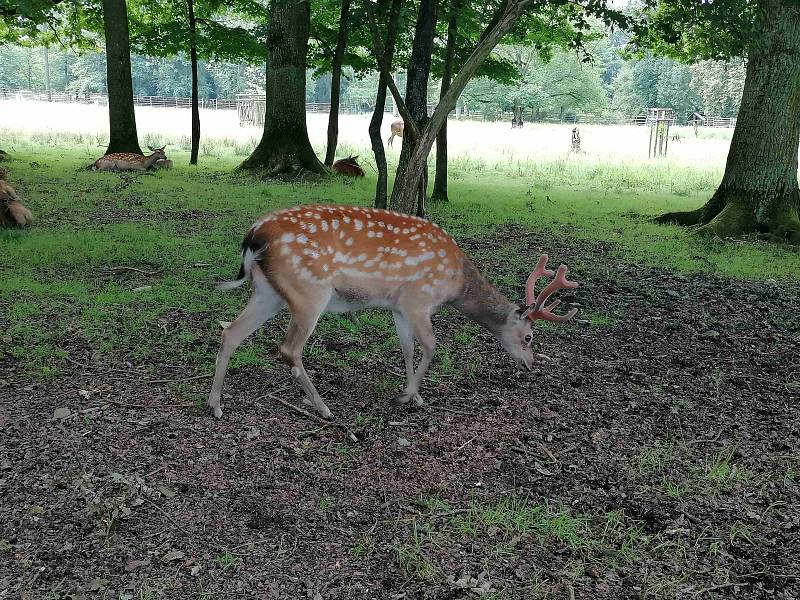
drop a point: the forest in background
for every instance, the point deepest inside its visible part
(561, 83)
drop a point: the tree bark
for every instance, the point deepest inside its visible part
(759, 190)
(284, 146)
(508, 14)
(419, 69)
(195, 107)
(440, 180)
(380, 105)
(121, 115)
(336, 83)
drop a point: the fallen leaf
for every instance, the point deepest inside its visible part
(167, 492)
(97, 584)
(61, 413)
(172, 555)
(403, 442)
(540, 469)
(132, 564)
(84, 394)
(195, 570)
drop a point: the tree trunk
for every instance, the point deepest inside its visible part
(195, 107)
(284, 146)
(508, 14)
(440, 181)
(759, 191)
(336, 83)
(419, 68)
(121, 116)
(380, 105)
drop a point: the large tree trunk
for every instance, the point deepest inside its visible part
(195, 107)
(122, 119)
(759, 191)
(380, 105)
(284, 146)
(419, 68)
(336, 83)
(440, 181)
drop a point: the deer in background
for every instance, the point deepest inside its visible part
(128, 161)
(397, 130)
(12, 211)
(348, 167)
(316, 259)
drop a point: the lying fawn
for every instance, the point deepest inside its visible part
(12, 211)
(316, 259)
(348, 167)
(128, 161)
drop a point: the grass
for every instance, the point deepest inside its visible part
(62, 296)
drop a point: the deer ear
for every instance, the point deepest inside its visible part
(162, 147)
(149, 147)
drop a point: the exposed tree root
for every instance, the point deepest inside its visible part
(725, 216)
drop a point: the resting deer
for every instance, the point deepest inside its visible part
(316, 259)
(128, 161)
(12, 211)
(397, 130)
(348, 167)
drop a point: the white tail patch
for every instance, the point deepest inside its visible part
(248, 258)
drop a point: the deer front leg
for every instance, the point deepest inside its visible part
(300, 329)
(420, 325)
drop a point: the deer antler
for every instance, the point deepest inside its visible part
(536, 308)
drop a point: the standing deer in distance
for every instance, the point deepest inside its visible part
(321, 258)
(397, 129)
(129, 161)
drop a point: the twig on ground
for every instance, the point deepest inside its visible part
(316, 418)
(181, 379)
(464, 445)
(133, 269)
(169, 518)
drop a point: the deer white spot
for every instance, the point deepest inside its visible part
(413, 229)
(442, 252)
(293, 220)
(369, 263)
(383, 264)
(324, 225)
(427, 289)
(348, 242)
(415, 237)
(341, 235)
(308, 214)
(287, 238)
(295, 260)
(330, 249)
(370, 223)
(371, 234)
(340, 257)
(358, 225)
(361, 257)
(440, 267)
(422, 245)
(285, 250)
(346, 219)
(312, 228)
(325, 268)
(415, 260)
(317, 216)
(335, 223)
(381, 224)
(302, 239)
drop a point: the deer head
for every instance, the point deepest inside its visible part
(158, 153)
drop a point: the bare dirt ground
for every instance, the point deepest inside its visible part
(656, 455)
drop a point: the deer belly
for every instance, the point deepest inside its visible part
(351, 299)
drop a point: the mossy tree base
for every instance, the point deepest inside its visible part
(730, 214)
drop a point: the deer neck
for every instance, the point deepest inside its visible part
(150, 160)
(481, 301)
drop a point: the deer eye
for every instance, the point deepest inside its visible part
(528, 339)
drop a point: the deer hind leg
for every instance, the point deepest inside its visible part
(264, 304)
(406, 336)
(389, 143)
(302, 325)
(422, 329)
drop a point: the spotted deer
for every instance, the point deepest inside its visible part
(12, 211)
(316, 259)
(129, 161)
(397, 129)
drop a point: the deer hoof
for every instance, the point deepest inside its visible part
(216, 411)
(405, 397)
